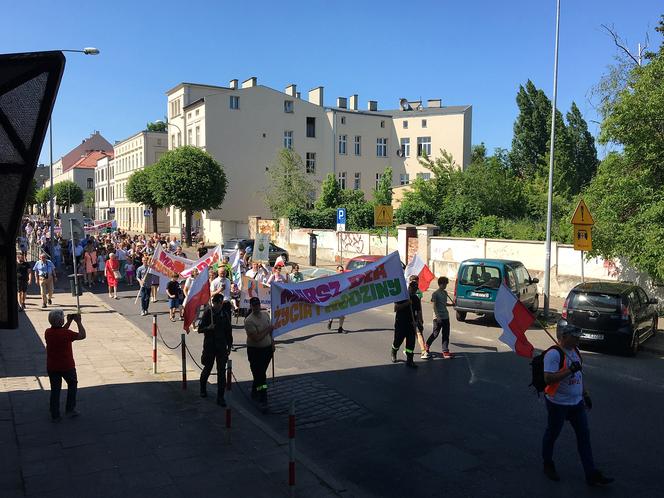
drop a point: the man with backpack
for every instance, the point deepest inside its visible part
(566, 399)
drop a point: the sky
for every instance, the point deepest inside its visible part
(464, 52)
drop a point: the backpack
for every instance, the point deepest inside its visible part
(537, 368)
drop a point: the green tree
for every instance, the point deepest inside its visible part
(330, 193)
(31, 198)
(157, 126)
(67, 193)
(478, 153)
(382, 196)
(191, 180)
(89, 199)
(140, 189)
(290, 185)
(584, 152)
(42, 198)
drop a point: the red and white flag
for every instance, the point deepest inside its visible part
(418, 267)
(514, 318)
(199, 295)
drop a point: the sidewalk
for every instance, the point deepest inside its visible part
(138, 434)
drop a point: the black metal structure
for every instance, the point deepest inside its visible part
(28, 87)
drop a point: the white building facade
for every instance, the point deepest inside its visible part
(104, 183)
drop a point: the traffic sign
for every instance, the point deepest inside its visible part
(147, 212)
(341, 219)
(583, 238)
(582, 215)
(383, 216)
(72, 226)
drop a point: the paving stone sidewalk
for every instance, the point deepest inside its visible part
(139, 434)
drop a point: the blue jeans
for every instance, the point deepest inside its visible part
(576, 415)
(145, 298)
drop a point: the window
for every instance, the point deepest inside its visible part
(405, 147)
(173, 141)
(341, 178)
(378, 177)
(188, 115)
(198, 135)
(311, 127)
(91, 183)
(288, 106)
(424, 146)
(343, 139)
(311, 162)
(196, 112)
(405, 125)
(424, 176)
(404, 179)
(234, 102)
(382, 124)
(381, 147)
(175, 107)
(357, 181)
(159, 141)
(288, 140)
(179, 139)
(358, 145)
(424, 123)
(190, 138)
(343, 119)
(102, 175)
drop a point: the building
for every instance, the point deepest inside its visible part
(243, 126)
(133, 154)
(104, 183)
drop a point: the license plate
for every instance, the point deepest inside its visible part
(479, 294)
(595, 337)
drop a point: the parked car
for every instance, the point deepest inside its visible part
(88, 222)
(614, 314)
(248, 246)
(478, 281)
(361, 261)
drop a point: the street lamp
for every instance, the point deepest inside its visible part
(86, 51)
(173, 124)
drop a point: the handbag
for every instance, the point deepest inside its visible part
(117, 274)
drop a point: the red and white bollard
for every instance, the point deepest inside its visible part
(291, 448)
(154, 343)
(184, 361)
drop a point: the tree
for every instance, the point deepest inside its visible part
(478, 153)
(584, 153)
(31, 198)
(157, 126)
(289, 185)
(330, 193)
(140, 189)
(382, 196)
(89, 199)
(42, 198)
(67, 193)
(191, 180)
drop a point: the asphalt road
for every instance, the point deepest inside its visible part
(469, 426)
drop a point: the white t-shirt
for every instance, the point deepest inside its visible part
(189, 282)
(570, 389)
(218, 283)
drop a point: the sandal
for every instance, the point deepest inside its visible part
(172, 319)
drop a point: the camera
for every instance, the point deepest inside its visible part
(73, 316)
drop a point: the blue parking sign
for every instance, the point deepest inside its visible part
(341, 216)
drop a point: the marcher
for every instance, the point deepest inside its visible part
(342, 319)
(221, 285)
(90, 264)
(174, 290)
(216, 325)
(441, 319)
(101, 266)
(277, 275)
(296, 274)
(60, 360)
(112, 275)
(22, 245)
(144, 281)
(567, 399)
(260, 348)
(46, 277)
(130, 271)
(405, 325)
(23, 279)
(419, 320)
(189, 282)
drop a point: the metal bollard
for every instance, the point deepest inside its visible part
(291, 447)
(154, 343)
(184, 361)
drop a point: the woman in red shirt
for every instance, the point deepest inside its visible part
(112, 275)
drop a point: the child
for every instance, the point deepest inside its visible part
(441, 317)
(101, 266)
(129, 271)
(174, 291)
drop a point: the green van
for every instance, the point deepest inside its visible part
(478, 281)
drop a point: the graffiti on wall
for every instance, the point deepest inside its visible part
(412, 246)
(351, 242)
(611, 268)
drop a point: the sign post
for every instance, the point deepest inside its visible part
(341, 227)
(384, 217)
(583, 223)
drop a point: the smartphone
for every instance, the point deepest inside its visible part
(72, 316)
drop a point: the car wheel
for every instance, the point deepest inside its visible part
(461, 316)
(535, 305)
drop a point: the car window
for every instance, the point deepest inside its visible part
(594, 301)
(634, 299)
(642, 294)
(475, 275)
(355, 265)
(523, 276)
(511, 279)
(273, 247)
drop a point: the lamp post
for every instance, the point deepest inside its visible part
(86, 51)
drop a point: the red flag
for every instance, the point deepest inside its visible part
(419, 268)
(198, 296)
(514, 318)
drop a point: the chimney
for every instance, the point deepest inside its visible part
(353, 102)
(415, 104)
(342, 102)
(232, 84)
(298, 95)
(316, 96)
(291, 90)
(434, 103)
(251, 82)
(372, 105)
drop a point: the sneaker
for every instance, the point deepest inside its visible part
(43, 306)
(340, 330)
(393, 356)
(72, 414)
(447, 355)
(599, 479)
(329, 325)
(411, 364)
(49, 301)
(425, 355)
(550, 472)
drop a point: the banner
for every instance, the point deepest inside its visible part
(254, 288)
(112, 224)
(296, 305)
(164, 263)
(208, 259)
(261, 251)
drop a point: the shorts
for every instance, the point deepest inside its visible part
(173, 302)
(22, 285)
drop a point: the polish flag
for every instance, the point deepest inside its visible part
(198, 296)
(515, 319)
(419, 268)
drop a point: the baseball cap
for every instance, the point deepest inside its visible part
(565, 328)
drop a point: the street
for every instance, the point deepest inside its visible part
(469, 426)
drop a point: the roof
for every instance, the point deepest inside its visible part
(180, 85)
(429, 111)
(605, 287)
(510, 262)
(89, 161)
(92, 143)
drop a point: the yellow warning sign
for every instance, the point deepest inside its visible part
(582, 215)
(583, 238)
(383, 216)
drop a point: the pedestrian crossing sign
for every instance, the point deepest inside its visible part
(383, 216)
